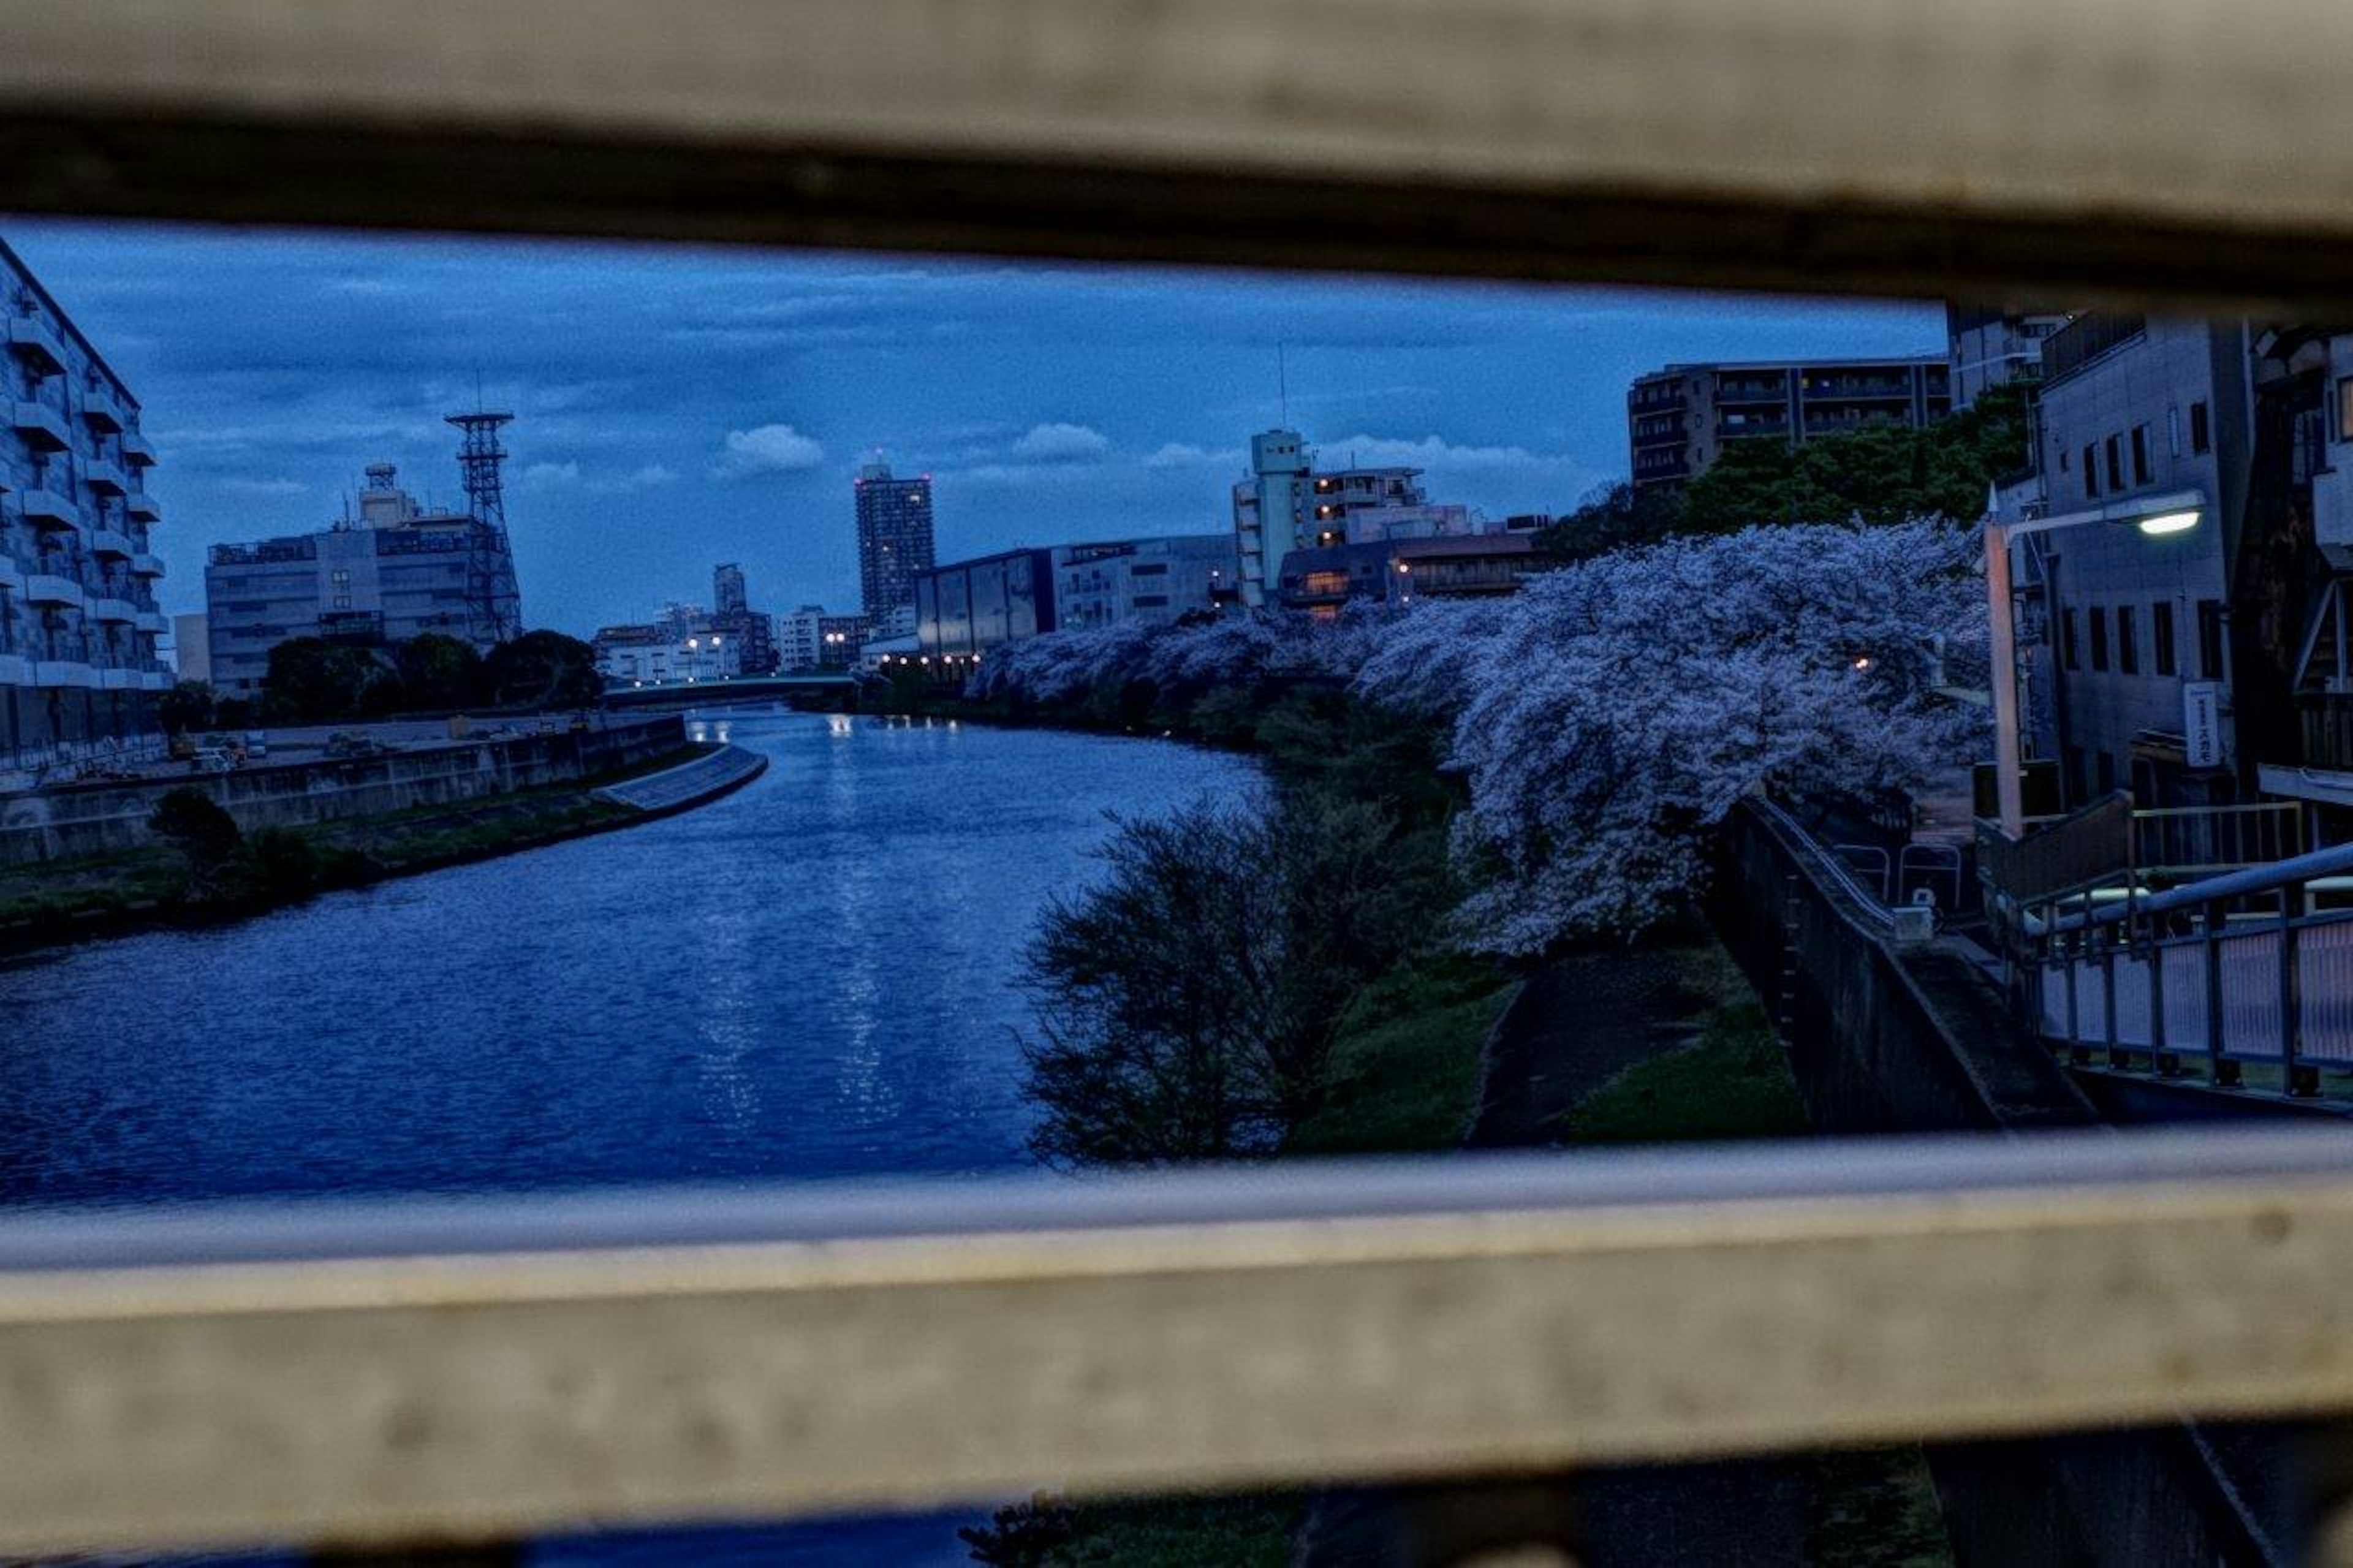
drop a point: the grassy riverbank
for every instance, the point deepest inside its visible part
(53, 902)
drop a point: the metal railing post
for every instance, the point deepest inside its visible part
(2068, 950)
(2117, 1056)
(2299, 1077)
(2164, 1063)
(2220, 1071)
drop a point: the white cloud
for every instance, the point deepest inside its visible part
(244, 487)
(1061, 444)
(769, 449)
(542, 474)
(1185, 455)
(1430, 452)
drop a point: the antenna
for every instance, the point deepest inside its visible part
(1283, 378)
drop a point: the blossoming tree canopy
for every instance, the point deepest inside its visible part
(1607, 717)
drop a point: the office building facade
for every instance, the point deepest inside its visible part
(1680, 419)
(895, 538)
(967, 607)
(396, 570)
(1154, 580)
(78, 619)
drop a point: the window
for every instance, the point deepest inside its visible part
(2091, 471)
(2160, 632)
(2202, 430)
(2127, 641)
(2140, 454)
(1158, 569)
(2211, 646)
(2099, 618)
(2069, 653)
(2173, 432)
(2115, 462)
(1151, 601)
(2345, 408)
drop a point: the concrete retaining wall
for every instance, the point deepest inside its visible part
(76, 820)
(1922, 1042)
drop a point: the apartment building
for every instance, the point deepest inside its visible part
(78, 619)
(396, 570)
(895, 538)
(1323, 579)
(1155, 580)
(1287, 502)
(1679, 419)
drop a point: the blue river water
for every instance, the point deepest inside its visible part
(809, 980)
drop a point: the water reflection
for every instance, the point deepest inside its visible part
(808, 979)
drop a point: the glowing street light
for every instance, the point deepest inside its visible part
(2177, 512)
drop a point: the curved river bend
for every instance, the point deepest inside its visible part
(809, 979)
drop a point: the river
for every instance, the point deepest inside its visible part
(809, 980)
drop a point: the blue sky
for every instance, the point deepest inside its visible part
(677, 407)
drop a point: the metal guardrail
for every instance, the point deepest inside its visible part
(2235, 968)
(472, 1369)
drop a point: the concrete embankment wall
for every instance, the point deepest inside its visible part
(1922, 1042)
(75, 820)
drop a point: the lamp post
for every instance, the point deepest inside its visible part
(2177, 512)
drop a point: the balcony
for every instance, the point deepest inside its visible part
(153, 621)
(64, 672)
(49, 589)
(143, 565)
(145, 508)
(16, 670)
(119, 612)
(102, 410)
(109, 542)
(12, 576)
(41, 426)
(45, 508)
(136, 451)
(104, 477)
(33, 342)
(118, 679)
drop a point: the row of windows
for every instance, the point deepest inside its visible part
(2125, 644)
(2133, 445)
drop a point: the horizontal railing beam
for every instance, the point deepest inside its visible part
(463, 1369)
(2054, 150)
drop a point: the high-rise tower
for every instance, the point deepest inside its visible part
(894, 540)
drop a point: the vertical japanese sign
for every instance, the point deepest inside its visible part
(2202, 723)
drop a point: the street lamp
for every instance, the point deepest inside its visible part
(2177, 512)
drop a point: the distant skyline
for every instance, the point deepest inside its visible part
(679, 407)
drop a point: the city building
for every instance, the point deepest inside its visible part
(812, 638)
(895, 538)
(681, 646)
(967, 607)
(396, 570)
(1322, 579)
(1155, 580)
(1287, 503)
(1679, 419)
(1993, 347)
(2124, 643)
(78, 621)
(192, 650)
(751, 632)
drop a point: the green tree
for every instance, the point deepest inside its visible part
(542, 670)
(1612, 517)
(187, 706)
(205, 835)
(314, 680)
(439, 672)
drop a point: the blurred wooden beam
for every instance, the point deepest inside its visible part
(389, 1374)
(2059, 149)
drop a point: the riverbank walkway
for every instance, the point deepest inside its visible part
(706, 778)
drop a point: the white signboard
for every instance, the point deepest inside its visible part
(2202, 723)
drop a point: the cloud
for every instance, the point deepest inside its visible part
(1185, 455)
(1061, 444)
(266, 487)
(769, 449)
(551, 474)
